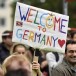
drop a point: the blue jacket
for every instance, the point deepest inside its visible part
(4, 52)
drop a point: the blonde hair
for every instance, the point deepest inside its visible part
(7, 62)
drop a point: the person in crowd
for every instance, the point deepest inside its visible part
(53, 59)
(73, 35)
(68, 65)
(19, 48)
(42, 60)
(19, 61)
(5, 45)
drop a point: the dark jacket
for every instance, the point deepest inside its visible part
(4, 52)
(64, 69)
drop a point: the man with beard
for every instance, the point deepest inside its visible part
(68, 66)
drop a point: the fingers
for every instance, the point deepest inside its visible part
(35, 65)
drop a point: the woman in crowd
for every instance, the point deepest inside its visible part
(19, 48)
(15, 62)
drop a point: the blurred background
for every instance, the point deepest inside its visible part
(7, 10)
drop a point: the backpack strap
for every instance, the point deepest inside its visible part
(56, 56)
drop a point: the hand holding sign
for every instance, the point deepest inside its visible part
(36, 67)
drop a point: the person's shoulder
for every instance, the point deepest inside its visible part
(1, 46)
(60, 67)
(59, 70)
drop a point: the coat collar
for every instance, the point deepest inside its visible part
(69, 67)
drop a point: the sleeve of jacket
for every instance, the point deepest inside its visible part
(2, 56)
(57, 72)
(51, 60)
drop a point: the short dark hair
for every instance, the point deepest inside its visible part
(69, 42)
(18, 72)
(31, 49)
(6, 34)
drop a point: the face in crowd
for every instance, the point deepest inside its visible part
(7, 38)
(71, 53)
(20, 49)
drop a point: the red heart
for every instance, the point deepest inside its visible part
(61, 42)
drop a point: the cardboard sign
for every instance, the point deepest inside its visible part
(34, 73)
(40, 28)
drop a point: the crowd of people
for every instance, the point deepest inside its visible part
(16, 59)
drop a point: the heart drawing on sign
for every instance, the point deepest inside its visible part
(61, 42)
